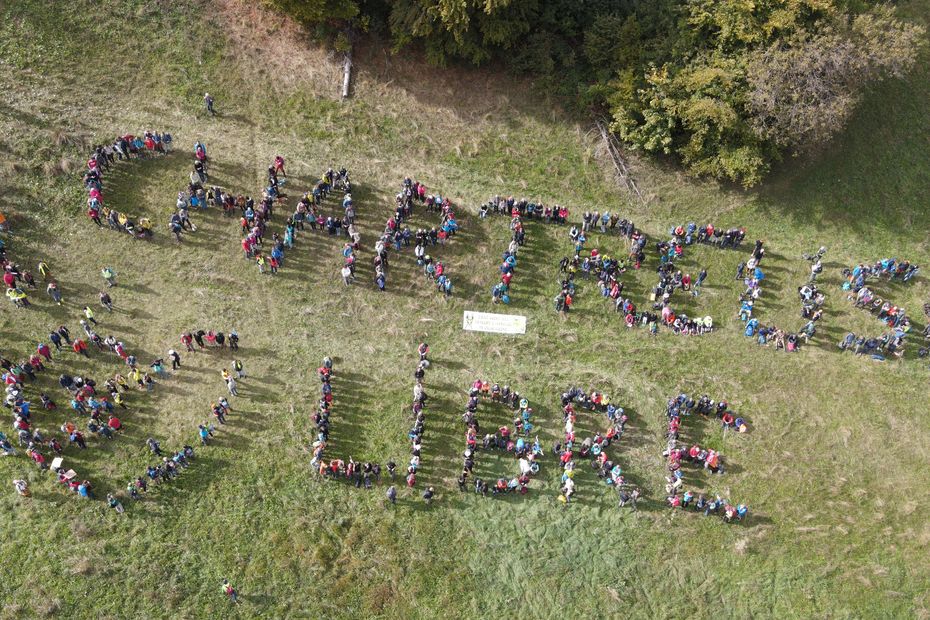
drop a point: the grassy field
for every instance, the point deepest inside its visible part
(832, 470)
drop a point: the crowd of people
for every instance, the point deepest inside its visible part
(717, 506)
(125, 147)
(167, 467)
(524, 208)
(254, 219)
(203, 338)
(518, 210)
(892, 316)
(86, 398)
(321, 417)
(99, 405)
(361, 474)
(501, 291)
(415, 434)
(890, 269)
(594, 447)
(672, 279)
(365, 474)
(195, 197)
(101, 411)
(676, 454)
(876, 347)
(511, 441)
(691, 233)
(751, 274)
(607, 271)
(812, 297)
(606, 223)
(603, 267)
(18, 281)
(397, 235)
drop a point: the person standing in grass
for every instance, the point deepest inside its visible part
(80, 347)
(54, 292)
(64, 333)
(176, 227)
(392, 494)
(230, 591)
(700, 279)
(44, 350)
(109, 275)
(208, 104)
(289, 234)
(114, 503)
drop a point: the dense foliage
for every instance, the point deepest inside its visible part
(725, 86)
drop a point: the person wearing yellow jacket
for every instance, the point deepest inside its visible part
(18, 297)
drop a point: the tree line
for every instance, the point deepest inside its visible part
(726, 87)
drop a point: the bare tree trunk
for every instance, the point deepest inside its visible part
(347, 74)
(613, 149)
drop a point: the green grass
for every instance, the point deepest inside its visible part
(832, 470)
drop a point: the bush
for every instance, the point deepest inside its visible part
(802, 93)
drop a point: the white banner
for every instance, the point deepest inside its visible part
(494, 323)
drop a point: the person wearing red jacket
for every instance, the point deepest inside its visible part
(94, 213)
(44, 350)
